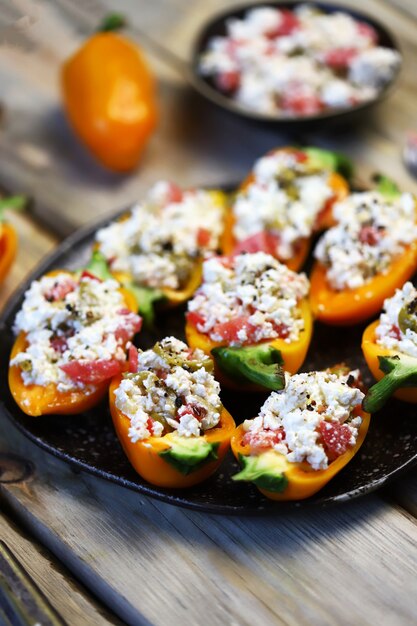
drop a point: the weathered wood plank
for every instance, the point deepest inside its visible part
(73, 603)
(352, 564)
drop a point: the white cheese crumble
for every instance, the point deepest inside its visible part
(253, 293)
(67, 320)
(160, 240)
(171, 391)
(371, 232)
(295, 417)
(300, 62)
(284, 198)
(390, 333)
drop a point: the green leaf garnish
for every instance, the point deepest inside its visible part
(329, 160)
(265, 470)
(189, 454)
(400, 371)
(261, 364)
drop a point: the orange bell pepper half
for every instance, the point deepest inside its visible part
(150, 457)
(292, 354)
(394, 370)
(325, 219)
(293, 481)
(109, 96)
(352, 306)
(35, 400)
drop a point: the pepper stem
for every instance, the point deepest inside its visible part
(111, 22)
(258, 364)
(399, 372)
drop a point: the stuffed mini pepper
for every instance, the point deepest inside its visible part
(168, 415)
(158, 247)
(251, 313)
(303, 435)
(71, 332)
(362, 260)
(287, 198)
(390, 348)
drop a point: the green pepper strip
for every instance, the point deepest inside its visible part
(386, 186)
(399, 372)
(333, 161)
(146, 297)
(259, 364)
(260, 471)
(98, 266)
(189, 455)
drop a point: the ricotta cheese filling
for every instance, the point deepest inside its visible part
(299, 62)
(161, 239)
(173, 390)
(397, 328)
(68, 321)
(284, 198)
(371, 232)
(247, 299)
(311, 420)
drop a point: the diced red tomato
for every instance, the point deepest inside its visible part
(282, 330)
(195, 410)
(289, 22)
(264, 439)
(133, 359)
(369, 235)
(228, 81)
(395, 332)
(87, 274)
(366, 30)
(229, 331)
(195, 319)
(203, 237)
(340, 58)
(60, 290)
(59, 344)
(335, 438)
(130, 324)
(175, 194)
(92, 372)
(301, 103)
(149, 425)
(263, 241)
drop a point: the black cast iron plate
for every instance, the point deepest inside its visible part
(88, 441)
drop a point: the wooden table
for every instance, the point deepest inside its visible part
(152, 563)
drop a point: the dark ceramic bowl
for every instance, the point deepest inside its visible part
(216, 26)
(88, 441)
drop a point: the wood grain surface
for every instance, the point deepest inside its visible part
(153, 563)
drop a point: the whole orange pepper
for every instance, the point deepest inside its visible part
(35, 400)
(298, 480)
(147, 456)
(8, 248)
(109, 97)
(352, 306)
(293, 354)
(325, 219)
